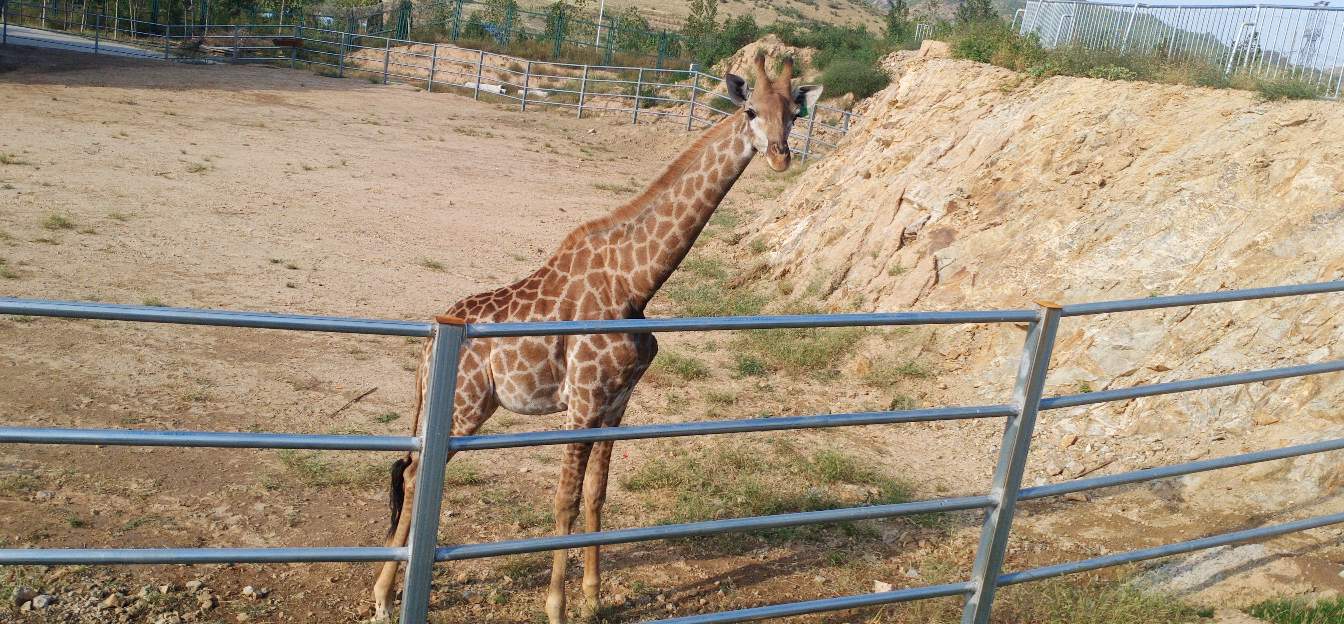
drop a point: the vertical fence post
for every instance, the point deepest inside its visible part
(695, 90)
(97, 28)
(387, 55)
(340, 57)
(4, 22)
(583, 89)
(436, 430)
(811, 125)
(527, 80)
(1129, 28)
(294, 51)
(1012, 463)
(167, 34)
(480, 66)
(236, 36)
(433, 65)
(639, 86)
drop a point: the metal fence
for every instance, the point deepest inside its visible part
(435, 442)
(691, 95)
(1268, 41)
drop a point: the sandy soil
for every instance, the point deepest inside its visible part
(269, 189)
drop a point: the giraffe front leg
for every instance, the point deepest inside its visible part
(594, 496)
(566, 511)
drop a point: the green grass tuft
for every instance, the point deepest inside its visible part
(1281, 611)
(683, 366)
(58, 222)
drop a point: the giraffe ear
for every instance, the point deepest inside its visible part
(738, 91)
(805, 97)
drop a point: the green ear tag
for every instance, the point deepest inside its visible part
(802, 110)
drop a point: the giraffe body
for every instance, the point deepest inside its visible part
(608, 268)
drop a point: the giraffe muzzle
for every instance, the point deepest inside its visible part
(778, 157)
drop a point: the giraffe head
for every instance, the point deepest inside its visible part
(771, 107)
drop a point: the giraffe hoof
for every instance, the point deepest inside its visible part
(555, 610)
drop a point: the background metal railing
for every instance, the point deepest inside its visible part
(690, 94)
(1269, 41)
(435, 442)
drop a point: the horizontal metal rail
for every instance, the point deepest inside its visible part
(1187, 385)
(1226, 296)
(715, 427)
(1167, 550)
(129, 556)
(218, 318)
(207, 439)
(825, 604)
(557, 328)
(1177, 470)
(708, 527)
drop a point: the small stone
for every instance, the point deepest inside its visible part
(1074, 469)
(165, 589)
(113, 601)
(1077, 497)
(881, 587)
(42, 601)
(206, 600)
(22, 594)
(27, 606)
(249, 592)
(462, 578)
(193, 586)
(912, 573)
(1054, 469)
(670, 607)
(43, 496)
(1264, 419)
(242, 617)
(1068, 440)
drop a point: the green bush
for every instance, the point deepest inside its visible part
(1111, 72)
(1287, 89)
(982, 41)
(853, 76)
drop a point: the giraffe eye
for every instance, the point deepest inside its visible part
(751, 114)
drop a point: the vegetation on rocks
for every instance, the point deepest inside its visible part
(991, 41)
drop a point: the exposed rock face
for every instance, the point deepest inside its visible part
(741, 62)
(967, 187)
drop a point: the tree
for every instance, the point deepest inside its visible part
(701, 27)
(972, 11)
(898, 21)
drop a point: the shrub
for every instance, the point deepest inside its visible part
(1286, 89)
(1111, 72)
(854, 76)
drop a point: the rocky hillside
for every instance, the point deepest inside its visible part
(968, 186)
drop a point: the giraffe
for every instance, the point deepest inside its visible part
(608, 268)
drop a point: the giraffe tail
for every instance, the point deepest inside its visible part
(396, 494)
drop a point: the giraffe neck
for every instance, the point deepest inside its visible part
(678, 205)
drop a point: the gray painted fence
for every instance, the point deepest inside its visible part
(435, 443)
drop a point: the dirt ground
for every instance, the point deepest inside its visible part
(254, 188)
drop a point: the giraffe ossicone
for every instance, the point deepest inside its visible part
(607, 268)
